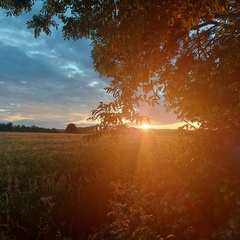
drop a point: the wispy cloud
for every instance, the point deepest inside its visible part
(47, 81)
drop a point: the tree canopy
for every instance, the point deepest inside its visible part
(71, 128)
(188, 52)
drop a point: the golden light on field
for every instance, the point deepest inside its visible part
(145, 126)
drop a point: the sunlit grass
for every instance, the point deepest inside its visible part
(59, 186)
(60, 183)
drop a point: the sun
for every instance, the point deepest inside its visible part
(145, 126)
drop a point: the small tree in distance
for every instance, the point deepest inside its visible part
(71, 128)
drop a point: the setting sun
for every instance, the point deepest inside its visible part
(145, 126)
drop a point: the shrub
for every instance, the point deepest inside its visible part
(71, 128)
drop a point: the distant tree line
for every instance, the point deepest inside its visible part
(9, 127)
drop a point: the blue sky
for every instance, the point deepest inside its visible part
(49, 82)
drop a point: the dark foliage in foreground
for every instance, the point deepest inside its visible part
(184, 191)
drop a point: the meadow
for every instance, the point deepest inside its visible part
(60, 186)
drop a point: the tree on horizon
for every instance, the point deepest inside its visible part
(71, 128)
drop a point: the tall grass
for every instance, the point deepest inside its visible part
(58, 185)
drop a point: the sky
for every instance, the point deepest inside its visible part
(49, 82)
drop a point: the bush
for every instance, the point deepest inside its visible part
(71, 128)
(188, 190)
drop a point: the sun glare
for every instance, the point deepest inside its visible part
(145, 126)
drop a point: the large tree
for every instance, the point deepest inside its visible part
(187, 51)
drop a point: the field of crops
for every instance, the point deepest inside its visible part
(55, 185)
(60, 186)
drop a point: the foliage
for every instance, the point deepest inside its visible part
(9, 127)
(187, 52)
(71, 128)
(132, 218)
(183, 190)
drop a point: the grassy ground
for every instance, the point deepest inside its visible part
(148, 186)
(55, 185)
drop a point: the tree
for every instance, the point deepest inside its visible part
(9, 126)
(71, 128)
(188, 52)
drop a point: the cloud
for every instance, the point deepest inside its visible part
(17, 117)
(47, 81)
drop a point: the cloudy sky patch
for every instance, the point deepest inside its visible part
(49, 82)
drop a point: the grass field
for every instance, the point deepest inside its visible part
(147, 186)
(55, 185)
